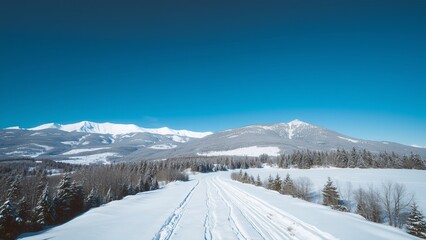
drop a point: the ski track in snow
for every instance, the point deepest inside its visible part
(235, 214)
(268, 221)
(172, 221)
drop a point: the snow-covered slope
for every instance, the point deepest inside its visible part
(275, 139)
(211, 206)
(128, 142)
(115, 129)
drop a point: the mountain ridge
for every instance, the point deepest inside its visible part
(114, 129)
(105, 142)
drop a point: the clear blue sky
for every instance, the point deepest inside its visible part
(357, 67)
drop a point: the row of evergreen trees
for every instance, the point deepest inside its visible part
(33, 202)
(350, 159)
(370, 204)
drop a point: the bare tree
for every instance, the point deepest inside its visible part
(401, 201)
(386, 200)
(303, 187)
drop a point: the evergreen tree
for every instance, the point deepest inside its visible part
(353, 159)
(416, 224)
(288, 186)
(277, 183)
(14, 191)
(10, 223)
(270, 182)
(258, 182)
(24, 213)
(69, 200)
(77, 199)
(42, 212)
(93, 199)
(330, 194)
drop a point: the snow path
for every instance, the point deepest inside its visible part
(270, 222)
(170, 225)
(213, 207)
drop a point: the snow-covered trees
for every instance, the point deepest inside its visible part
(43, 212)
(10, 222)
(416, 224)
(330, 195)
(68, 201)
(93, 199)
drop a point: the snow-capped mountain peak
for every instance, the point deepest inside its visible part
(117, 129)
(297, 123)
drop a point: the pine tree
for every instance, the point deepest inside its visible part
(77, 199)
(258, 182)
(330, 194)
(270, 182)
(277, 183)
(24, 213)
(42, 212)
(416, 224)
(69, 200)
(14, 191)
(93, 199)
(10, 223)
(288, 186)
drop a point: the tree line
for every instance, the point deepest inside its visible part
(32, 202)
(353, 158)
(390, 203)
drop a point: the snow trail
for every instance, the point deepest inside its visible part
(172, 221)
(270, 222)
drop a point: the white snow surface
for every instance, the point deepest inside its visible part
(212, 206)
(163, 146)
(417, 146)
(101, 158)
(253, 151)
(348, 139)
(355, 177)
(116, 129)
(13, 128)
(71, 143)
(82, 150)
(293, 125)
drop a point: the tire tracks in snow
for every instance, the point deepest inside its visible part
(169, 226)
(270, 222)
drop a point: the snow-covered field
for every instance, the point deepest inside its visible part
(212, 206)
(99, 158)
(414, 180)
(253, 151)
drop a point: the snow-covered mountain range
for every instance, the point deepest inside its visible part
(116, 129)
(89, 142)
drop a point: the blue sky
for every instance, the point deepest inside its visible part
(356, 67)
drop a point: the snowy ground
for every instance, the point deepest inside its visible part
(414, 180)
(212, 206)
